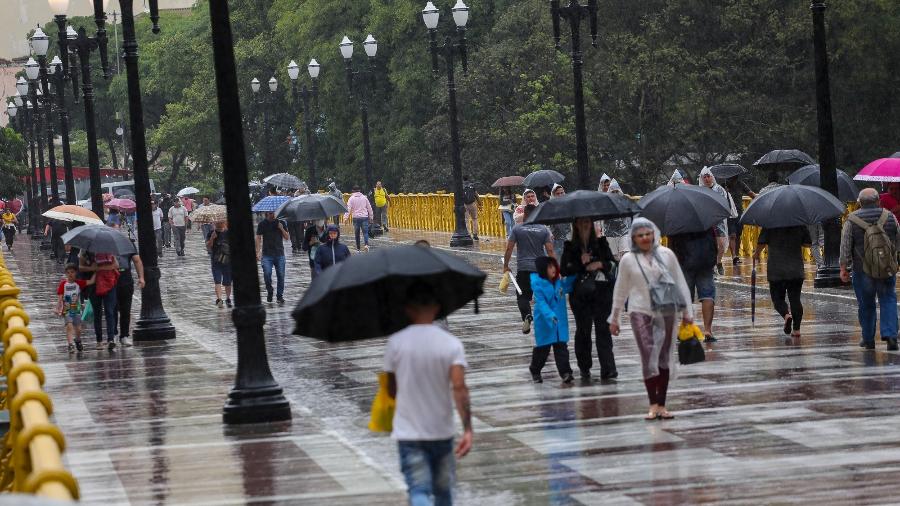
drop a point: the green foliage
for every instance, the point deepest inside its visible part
(12, 163)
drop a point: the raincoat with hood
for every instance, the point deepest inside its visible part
(332, 252)
(617, 230)
(561, 231)
(551, 320)
(716, 187)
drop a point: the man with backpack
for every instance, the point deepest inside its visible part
(869, 249)
(473, 203)
(697, 254)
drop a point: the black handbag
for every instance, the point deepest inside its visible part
(690, 351)
(585, 286)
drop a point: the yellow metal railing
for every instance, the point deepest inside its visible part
(31, 451)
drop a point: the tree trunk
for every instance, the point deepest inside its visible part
(112, 152)
(177, 162)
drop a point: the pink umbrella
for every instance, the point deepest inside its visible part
(884, 169)
(125, 205)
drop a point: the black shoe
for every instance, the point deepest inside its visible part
(787, 324)
(585, 374)
(568, 379)
(537, 378)
(720, 269)
(269, 296)
(735, 260)
(111, 346)
(609, 375)
(867, 345)
(475, 238)
(228, 302)
(711, 338)
(892, 344)
(79, 345)
(280, 300)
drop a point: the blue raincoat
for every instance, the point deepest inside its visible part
(550, 303)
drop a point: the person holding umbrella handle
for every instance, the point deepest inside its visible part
(270, 237)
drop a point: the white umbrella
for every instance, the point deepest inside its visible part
(190, 190)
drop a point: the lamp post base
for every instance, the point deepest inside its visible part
(256, 405)
(828, 277)
(153, 329)
(461, 239)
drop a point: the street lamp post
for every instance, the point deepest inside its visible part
(40, 43)
(56, 70)
(32, 72)
(362, 91)
(21, 100)
(59, 9)
(256, 396)
(293, 73)
(431, 15)
(83, 46)
(574, 13)
(264, 102)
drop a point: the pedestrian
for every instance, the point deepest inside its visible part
(737, 188)
(590, 262)
(561, 232)
(270, 237)
(313, 237)
(708, 180)
(206, 228)
(817, 246)
(103, 296)
(678, 178)
(543, 193)
(69, 305)
(125, 293)
(157, 215)
(869, 249)
(382, 201)
(890, 200)
(785, 271)
(114, 219)
(359, 209)
(551, 320)
(426, 368)
(507, 208)
(332, 252)
(165, 205)
(616, 230)
(653, 327)
(529, 198)
(772, 183)
(220, 261)
(530, 240)
(56, 229)
(178, 216)
(334, 192)
(605, 182)
(9, 226)
(696, 253)
(472, 204)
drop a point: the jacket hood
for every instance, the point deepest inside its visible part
(614, 187)
(704, 172)
(328, 230)
(604, 177)
(640, 223)
(555, 186)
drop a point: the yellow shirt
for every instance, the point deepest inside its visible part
(380, 197)
(8, 218)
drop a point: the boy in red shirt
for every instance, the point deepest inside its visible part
(69, 295)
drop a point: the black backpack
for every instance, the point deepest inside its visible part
(470, 196)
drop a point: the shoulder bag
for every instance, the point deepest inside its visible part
(664, 296)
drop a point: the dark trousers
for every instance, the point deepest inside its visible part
(658, 387)
(295, 230)
(523, 300)
(57, 248)
(124, 295)
(594, 313)
(539, 356)
(792, 288)
(105, 306)
(10, 234)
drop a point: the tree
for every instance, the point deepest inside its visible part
(12, 163)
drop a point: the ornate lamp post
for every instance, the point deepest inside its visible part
(40, 43)
(264, 102)
(370, 45)
(431, 16)
(256, 396)
(24, 105)
(32, 72)
(83, 46)
(574, 13)
(294, 72)
(56, 70)
(59, 9)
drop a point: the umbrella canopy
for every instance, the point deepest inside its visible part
(545, 177)
(190, 190)
(896, 155)
(126, 205)
(684, 208)
(375, 285)
(317, 206)
(73, 213)
(792, 205)
(99, 239)
(284, 180)
(784, 159)
(884, 169)
(727, 170)
(270, 204)
(809, 176)
(508, 181)
(583, 204)
(210, 214)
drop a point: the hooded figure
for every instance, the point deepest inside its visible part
(332, 251)
(604, 179)
(551, 320)
(617, 230)
(708, 180)
(676, 179)
(528, 197)
(561, 232)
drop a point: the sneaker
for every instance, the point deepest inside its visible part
(280, 300)
(709, 338)
(78, 345)
(868, 346)
(526, 324)
(892, 344)
(269, 296)
(71, 347)
(585, 374)
(568, 379)
(735, 260)
(99, 345)
(536, 378)
(111, 346)
(125, 341)
(218, 302)
(228, 302)
(475, 238)
(609, 375)
(720, 268)
(366, 248)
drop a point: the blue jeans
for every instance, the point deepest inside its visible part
(508, 221)
(867, 289)
(361, 224)
(105, 306)
(429, 470)
(279, 263)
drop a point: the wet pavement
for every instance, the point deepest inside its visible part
(765, 420)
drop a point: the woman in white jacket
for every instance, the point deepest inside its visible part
(654, 331)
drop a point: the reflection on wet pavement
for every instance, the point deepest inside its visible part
(765, 419)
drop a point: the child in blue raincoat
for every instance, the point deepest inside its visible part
(551, 320)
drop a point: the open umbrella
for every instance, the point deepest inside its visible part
(886, 170)
(784, 159)
(190, 190)
(792, 205)
(99, 239)
(508, 181)
(364, 297)
(270, 203)
(684, 208)
(126, 205)
(317, 206)
(284, 180)
(583, 204)
(73, 213)
(809, 176)
(724, 171)
(544, 177)
(210, 214)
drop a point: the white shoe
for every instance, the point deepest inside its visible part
(125, 341)
(366, 248)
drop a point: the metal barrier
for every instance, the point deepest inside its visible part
(31, 451)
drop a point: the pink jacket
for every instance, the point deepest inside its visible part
(358, 206)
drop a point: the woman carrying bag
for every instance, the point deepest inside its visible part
(507, 208)
(650, 278)
(589, 259)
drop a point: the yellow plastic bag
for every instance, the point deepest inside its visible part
(504, 282)
(688, 331)
(383, 406)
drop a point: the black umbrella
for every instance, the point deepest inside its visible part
(283, 180)
(792, 205)
(784, 159)
(364, 297)
(316, 206)
(684, 208)
(809, 176)
(545, 177)
(727, 170)
(583, 204)
(99, 239)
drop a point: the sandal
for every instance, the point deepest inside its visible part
(665, 415)
(788, 321)
(651, 415)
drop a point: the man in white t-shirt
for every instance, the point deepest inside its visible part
(425, 365)
(157, 226)
(178, 215)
